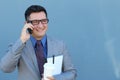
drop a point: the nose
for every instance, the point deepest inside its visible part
(40, 25)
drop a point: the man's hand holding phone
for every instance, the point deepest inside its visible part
(25, 34)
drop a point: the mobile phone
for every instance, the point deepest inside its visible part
(29, 30)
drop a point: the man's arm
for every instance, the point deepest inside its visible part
(9, 62)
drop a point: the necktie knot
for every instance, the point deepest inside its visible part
(38, 43)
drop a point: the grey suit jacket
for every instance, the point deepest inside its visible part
(23, 57)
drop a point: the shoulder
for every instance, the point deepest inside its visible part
(56, 43)
(55, 40)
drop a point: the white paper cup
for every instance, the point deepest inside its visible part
(48, 70)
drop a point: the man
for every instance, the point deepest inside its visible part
(24, 55)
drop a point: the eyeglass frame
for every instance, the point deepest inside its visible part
(38, 21)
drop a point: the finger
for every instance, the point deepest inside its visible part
(29, 25)
(51, 78)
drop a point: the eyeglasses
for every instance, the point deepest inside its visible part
(36, 22)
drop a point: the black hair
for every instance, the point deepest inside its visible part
(34, 8)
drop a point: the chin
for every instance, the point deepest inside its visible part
(41, 35)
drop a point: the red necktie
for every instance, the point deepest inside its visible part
(40, 56)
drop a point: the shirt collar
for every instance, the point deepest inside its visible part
(43, 40)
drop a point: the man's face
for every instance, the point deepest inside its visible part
(39, 21)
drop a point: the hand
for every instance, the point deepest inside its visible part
(49, 78)
(24, 34)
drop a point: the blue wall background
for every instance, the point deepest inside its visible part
(90, 28)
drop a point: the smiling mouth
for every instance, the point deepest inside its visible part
(39, 30)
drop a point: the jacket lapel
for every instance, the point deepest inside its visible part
(31, 54)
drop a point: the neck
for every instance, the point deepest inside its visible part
(38, 37)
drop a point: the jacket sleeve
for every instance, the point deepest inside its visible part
(68, 72)
(9, 62)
